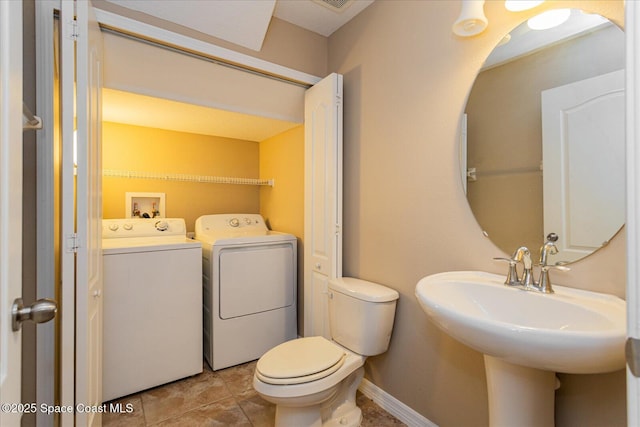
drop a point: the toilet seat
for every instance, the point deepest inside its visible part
(300, 361)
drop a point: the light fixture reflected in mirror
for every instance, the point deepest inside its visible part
(472, 20)
(549, 19)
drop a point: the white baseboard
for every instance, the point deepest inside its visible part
(393, 406)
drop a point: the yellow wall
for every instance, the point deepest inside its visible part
(282, 159)
(282, 206)
(142, 149)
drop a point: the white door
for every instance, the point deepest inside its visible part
(583, 146)
(10, 205)
(632, 16)
(82, 282)
(89, 214)
(323, 199)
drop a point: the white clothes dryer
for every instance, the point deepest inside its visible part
(152, 299)
(249, 287)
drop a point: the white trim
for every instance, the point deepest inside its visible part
(132, 26)
(632, 14)
(394, 406)
(67, 211)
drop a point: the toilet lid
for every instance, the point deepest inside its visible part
(299, 361)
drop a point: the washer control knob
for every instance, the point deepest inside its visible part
(128, 227)
(113, 227)
(162, 225)
(247, 221)
(234, 222)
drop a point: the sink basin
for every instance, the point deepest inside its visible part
(571, 330)
(526, 337)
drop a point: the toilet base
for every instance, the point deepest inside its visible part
(338, 408)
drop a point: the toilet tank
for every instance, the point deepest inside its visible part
(361, 315)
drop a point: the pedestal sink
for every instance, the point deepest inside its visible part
(526, 337)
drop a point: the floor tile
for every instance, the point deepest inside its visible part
(182, 396)
(223, 413)
(216, 399)
(373, 415)
(260, 412)
(134, 418)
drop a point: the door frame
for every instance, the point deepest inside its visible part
(45, 176)
(150, 32)
(10, 206)
(632, 31)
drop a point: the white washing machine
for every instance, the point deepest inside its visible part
(152, 299)
(249, 287)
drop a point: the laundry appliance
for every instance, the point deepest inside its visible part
(249, 287)
(152, 304)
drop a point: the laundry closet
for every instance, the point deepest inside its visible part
(190, 129)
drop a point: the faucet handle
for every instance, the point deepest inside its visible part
(552, 237)
(555, 267)
(545, 282)
(512, 275)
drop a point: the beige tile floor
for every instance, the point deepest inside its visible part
(221, 398)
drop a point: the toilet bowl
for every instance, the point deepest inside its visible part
(313, 380)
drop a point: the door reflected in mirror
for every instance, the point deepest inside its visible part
(545, 138)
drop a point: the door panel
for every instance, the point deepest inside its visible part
(81, 335)
(10, 205)
(323, 199)
(583, 144)
(89, 215)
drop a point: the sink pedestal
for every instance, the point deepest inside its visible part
(519, 396)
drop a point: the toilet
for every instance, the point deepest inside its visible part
(313, 380)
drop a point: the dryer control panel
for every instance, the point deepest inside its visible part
(221, 223)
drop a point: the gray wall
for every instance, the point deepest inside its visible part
(406, 79)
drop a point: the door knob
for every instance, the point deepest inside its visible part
(40, 311)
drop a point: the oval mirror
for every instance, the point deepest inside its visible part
(544, 138)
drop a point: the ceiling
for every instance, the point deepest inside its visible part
(316, 16)
(246, 22)
(523, 40)
(242, 22)
(140, 110)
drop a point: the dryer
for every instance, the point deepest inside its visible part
(249, 287)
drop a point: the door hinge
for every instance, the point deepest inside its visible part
(632, 350)
(71, 30)
(71, 243)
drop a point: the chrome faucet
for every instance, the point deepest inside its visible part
(523, 255)
(548, 248)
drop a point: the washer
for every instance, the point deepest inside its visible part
(152, 299)
(249, 287)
